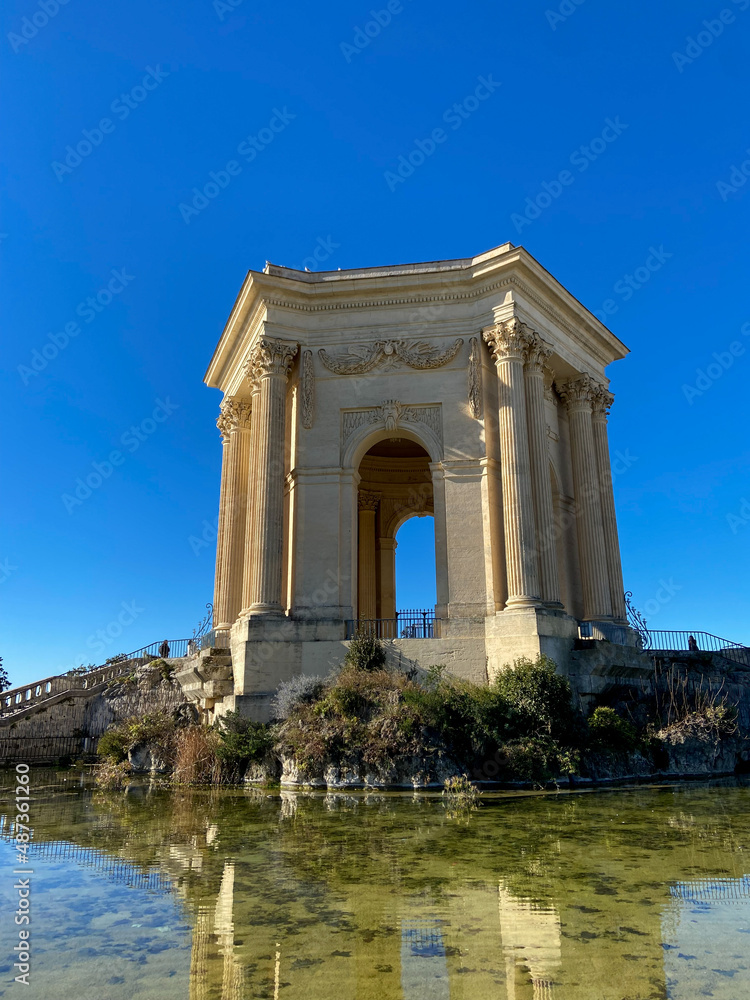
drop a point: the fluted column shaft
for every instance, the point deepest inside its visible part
(578, 394)
(507, 342)
(233, 513)
(271, 362)
(602, 403)
(220, 576)
(248, 554)
(541, 484)
(367, 565)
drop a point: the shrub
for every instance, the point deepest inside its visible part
(538, 759)
(538, 697)
(112, 774)
(366, 652)
(242, 741)
(297, 691)
(609, 731)
(113, 745)
(196, 756)
(117, 658)
(459, 791)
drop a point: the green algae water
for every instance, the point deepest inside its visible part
(162, 894)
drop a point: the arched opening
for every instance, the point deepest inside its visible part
(416, 577)
(395, 485)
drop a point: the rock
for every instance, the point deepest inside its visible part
(146, 758)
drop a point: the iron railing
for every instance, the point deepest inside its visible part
(698, 642)
(410, 624)
(37, 749)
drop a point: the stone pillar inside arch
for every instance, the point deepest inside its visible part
(235, 424)
(507, 342)
(272, 360)
(367, 575)
(602, 403)
(579, 394)
(387, 576)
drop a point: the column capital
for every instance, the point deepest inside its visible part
(270, 357)
(578, 392)
(537, 354)
(368, 500)
(507, 340)
(235, 413)
(602, 403)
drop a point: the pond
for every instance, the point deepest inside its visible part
(160, 894)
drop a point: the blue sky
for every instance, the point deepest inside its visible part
(316, 120)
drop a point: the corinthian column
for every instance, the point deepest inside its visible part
(541, 484)
(601, 406)
(219, 583)
(578, 394)
(507, 342)
(234, 424)
(367, 572)
(271, 362)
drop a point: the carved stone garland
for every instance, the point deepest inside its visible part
(363, 358)
(475, 378)
(307, 389)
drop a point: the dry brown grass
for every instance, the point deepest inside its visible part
(196, 759)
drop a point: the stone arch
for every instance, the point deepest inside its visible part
(359, 441)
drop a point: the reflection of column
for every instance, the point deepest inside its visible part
(272, 360)
(199, 955)
(235, 422)
(602, 402)
(507, 342)
(531, 937)
(367, 578)
(231, 987)
(578, 394)
(387, 554)
(220, 581)
(541, 484)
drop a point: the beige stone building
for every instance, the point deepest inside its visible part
(472, 390)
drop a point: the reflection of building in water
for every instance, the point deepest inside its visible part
(424, 970)
(531, 945)
(213, 943)
(705, 937)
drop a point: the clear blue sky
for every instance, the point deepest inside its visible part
(183, 88)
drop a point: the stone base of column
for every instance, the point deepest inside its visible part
(266, 609)
(522, 601)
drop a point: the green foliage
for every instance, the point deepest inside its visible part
(459, 791)
(4, 679)
(538, 698)
(609, 731)
(165, 669)
(118, 658)
(366, 652)
(112, 774)
(242, 741)
(157, 729)
(113, 745)
(538, 759)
